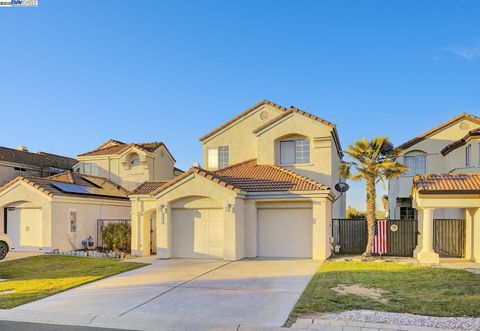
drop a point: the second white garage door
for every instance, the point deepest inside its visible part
(198, 233)
(285, 232)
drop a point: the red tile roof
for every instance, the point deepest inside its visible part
(118, 147)
(148, 187)
(447, 183)
(248, 176)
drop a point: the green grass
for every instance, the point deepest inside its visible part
(37, 277)
(411, 289)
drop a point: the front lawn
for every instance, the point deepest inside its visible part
(36, 277)
(390, 287)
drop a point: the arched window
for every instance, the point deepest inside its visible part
(134, 160)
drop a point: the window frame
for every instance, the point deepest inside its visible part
(223, 161)
(413, 171)
(296, 151)
(72, 223)
(468, 155)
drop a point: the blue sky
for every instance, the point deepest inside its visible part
(73, 72)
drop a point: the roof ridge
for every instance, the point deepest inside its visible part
(243, 113)
(437, 128)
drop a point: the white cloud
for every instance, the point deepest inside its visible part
(469, 53)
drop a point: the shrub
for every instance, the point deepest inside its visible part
(117, 237)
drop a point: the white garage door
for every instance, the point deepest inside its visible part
(198, 233)
(24, 227)
(285, 232)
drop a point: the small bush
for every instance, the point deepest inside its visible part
(117, 237)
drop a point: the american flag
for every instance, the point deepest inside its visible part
(380, 242)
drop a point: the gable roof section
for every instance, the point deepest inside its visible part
(436, 129)
(248, 176)
(148, 187)
(98, 187)
(447, 183)
(239, 116)
(293, 110)
(40, 160)
(461, 142)
(120, 147)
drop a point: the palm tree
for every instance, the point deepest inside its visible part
(373, 161)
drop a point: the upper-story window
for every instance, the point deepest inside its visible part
(90, 169)
(218, 157)
(416, 164)
(134, 160)
(295, 151)
(468, 156)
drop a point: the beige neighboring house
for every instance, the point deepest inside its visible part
(129, 165)
(21, 162)
(264, 191)
(442, 190)
(58, 212)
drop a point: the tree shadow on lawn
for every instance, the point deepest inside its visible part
(409, 289)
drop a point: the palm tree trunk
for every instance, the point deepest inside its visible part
(371, 208)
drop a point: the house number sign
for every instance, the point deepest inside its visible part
(394, 227)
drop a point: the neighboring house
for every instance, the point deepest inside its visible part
(20, 162)
(451, 147)
(58, 212)
(442, 190)
(264, 191)
(129, 165)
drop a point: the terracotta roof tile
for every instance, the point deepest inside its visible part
(447, 183)
(248, 176)
(119, 147)
(148, 187)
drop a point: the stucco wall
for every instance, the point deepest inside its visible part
(8, 172)
(87, 216)
(435, 161)
(239, 136)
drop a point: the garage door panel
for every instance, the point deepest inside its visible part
(198, 233)
(25, 228)
(285, 232)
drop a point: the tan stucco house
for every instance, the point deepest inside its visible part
(129, 165)
(441, 186)
(264, 191)
(58, 212)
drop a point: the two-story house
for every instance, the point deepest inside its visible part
(129, 165)
(451, 147)
(21, 162)
(264, 191)
(441, 190)
(60, 211)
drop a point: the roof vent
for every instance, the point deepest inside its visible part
(22, 148)
(195, 165)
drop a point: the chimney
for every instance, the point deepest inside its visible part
(22, 148)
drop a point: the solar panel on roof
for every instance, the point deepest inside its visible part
(71, 188)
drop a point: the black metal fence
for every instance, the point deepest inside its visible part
(350, 236)
(449, 237)
(101, 223)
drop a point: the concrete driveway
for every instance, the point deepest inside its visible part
(184, 293)
(19, 255)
